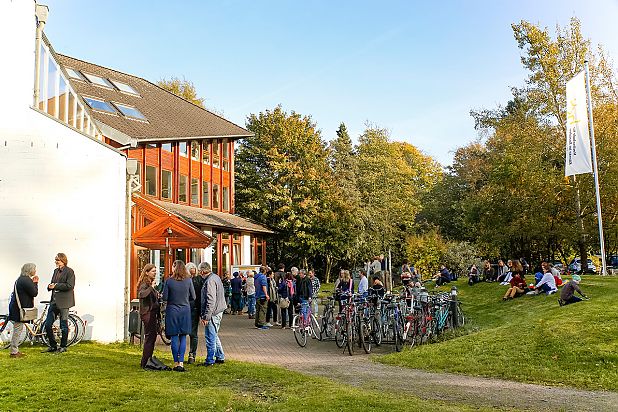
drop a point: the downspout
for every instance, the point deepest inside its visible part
(41, 12)
(131, 186)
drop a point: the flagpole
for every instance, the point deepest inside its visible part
(596, 170)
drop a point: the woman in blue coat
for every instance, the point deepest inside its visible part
(178, 292)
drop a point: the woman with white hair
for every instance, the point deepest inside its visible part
(25, 290)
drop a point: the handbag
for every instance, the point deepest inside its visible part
(25, 314)
(284, 303)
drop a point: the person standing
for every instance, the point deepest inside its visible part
(271, 311)
(211, 312)
(315, 290)
(236, 283)
(363, 283)
(149, 310)
(178, 292)
(227, 289)
(287, 291)
(250, 290)
(198, 281)
(62, 299)
(26, 289)
(262, 298)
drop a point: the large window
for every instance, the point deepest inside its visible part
(237, 255)
(205, 194)
(226, 155)
(150, 185)
(215, 154)
(167, 147)
(182, 149)
(215, 196)
(166, 184)
(195, 150)
(206, 152)
(195, 191)
(182, 188)
(226, 198)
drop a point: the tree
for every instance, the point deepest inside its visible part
(182, 88)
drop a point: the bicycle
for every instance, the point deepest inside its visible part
(363, 324)
(35, 331)
(305, 324)
(327, 328)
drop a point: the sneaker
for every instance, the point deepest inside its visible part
(278, 323)
(560, 302)
(61, 350)
(17, 355)
(191, 359)
(179, 369)
(219, 360)
(270, 325)
(49, 350)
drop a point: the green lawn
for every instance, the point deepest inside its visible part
(94, 377)
(531, 338)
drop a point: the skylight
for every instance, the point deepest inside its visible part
(130, 111)
(100, 105)
(123, 87)
(98, 80)
(74, 74)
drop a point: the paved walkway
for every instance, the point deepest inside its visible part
(241, 341)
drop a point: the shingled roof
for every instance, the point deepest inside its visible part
(169, 117)
(212, 218)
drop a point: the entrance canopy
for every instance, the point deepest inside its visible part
(167, 229)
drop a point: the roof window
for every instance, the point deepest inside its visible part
(98, 80)
(130, 111)
(123, 87)
(97, 104)
(74, 74)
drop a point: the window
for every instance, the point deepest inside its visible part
(225, 251)
(215, 154)
(74, 74)
(195, 191)
(130, 111)
(182, 148)
(52, 82)
(215, 255)
(237, 254)
(167, 147)
(205, 194)
(215, 196)
(226, 155)
(195, 150)
(206, 153)
(182, 188)
(123, 87)
(166, 184)
(252, 249)
(226, 198)
(138, 173)
(97, 104)
(98, 80)
(151, 181)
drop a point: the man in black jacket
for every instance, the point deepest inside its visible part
(62, 299)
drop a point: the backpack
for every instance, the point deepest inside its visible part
(155, 364)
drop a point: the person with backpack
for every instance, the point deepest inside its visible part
(287, 293)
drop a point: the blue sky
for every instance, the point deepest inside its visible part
(415, 68)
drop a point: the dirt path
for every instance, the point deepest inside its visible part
(277, 347)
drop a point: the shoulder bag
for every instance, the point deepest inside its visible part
(25, 314)
(284, 303)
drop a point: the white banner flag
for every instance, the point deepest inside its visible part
(578, 158)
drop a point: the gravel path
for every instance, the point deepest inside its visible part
(241, 341)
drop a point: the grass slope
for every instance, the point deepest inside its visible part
(531, 338)
(94, 377)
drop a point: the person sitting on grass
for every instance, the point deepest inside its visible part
(567, 295)
(547, 283)
(489, 274)
(518, 287)
(442, 277)
(473, 276)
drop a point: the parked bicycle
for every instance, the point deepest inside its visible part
(305, 324)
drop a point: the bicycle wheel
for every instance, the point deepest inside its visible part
(350, 337)
(461, 320)
(397, 335)
(315, 328)
(81, 328)
(72, 326)
(340, 337)
(376, 331)
(300, 333)
(365, 336)
(161, 333)
(328, 324)
(6, 333)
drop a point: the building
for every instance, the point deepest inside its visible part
(112, 170)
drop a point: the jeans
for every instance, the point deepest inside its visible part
(213, 343)
(18, 328)
(547, 289)
(251, 305)
(52, 313)
(572, 299)
(287, 314)
(314, 306)
(260, 317)
(195, 322)
(271, 311)
(179, 346)
(150, 336)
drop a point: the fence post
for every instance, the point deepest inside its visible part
(454, 317)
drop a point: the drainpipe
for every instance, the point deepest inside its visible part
(41, 12)
(131, 186)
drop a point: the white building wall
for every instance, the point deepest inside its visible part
(60, 191)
